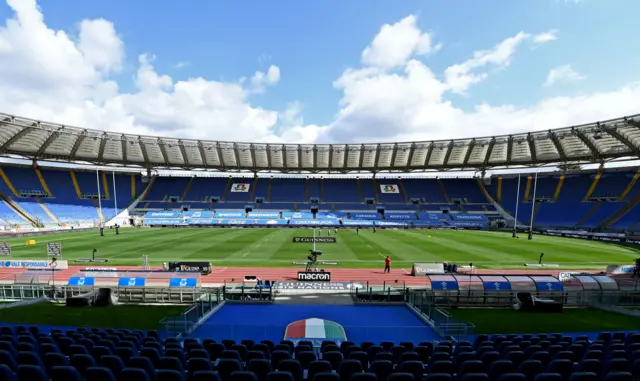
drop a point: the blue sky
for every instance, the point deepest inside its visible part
(314, 43)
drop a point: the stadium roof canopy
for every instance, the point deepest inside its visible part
(611, 140)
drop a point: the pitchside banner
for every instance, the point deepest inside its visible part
(240, 188)
(389, 188)
(420, 269)
(316, 239)
(308, 276)
(32, 264)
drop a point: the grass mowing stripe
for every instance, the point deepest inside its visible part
(274, 247)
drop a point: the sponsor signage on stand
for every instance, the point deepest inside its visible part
(567, 276)
(190, 267)
(320, 286)
(308, 276)
(316, 239)
(604, 237)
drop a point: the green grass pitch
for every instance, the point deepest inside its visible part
(507, 321)
(274, 248)
(127, 316)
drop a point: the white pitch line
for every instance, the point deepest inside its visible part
(382, 255)
(245, 254)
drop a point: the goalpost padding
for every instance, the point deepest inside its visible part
(421, 269)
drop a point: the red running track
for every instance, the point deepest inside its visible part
(237, 274)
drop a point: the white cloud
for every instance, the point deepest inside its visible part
(50, 75)
(396, 43)
(392, 96)
(261, 80)
(411, 103)
(459, 77)
(182, 64)
(562, 74)
(541, 38)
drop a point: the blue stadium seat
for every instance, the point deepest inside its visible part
(349, 367)
(583, 376)
(475, 377)
(227, 366)
(261, 367)
(6, 373)
(382, 368)
(6, 358)
(285, 376)
(169, 375)
(134, 374)
(401, 377)
(292, 366)
(143, 363)
(31, 373)
(618, 376)
(99, 374)
(243, 376)
(112, 362)
(322, 376)
(170, 363)
(438, 377)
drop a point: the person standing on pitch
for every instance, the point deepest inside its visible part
(357, 231)
(387, 265)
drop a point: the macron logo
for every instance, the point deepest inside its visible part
(314, 277)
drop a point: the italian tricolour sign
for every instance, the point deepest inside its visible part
(241, 188)
(315, 330)
(389, 188)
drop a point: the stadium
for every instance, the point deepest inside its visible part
(134, 257)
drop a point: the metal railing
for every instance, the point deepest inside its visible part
(424, 302)
(475, 298)
(192, 315)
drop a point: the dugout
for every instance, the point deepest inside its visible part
(458, 289)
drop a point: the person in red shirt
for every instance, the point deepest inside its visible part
(387, 264)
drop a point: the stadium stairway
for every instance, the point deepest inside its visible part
(19, 211)
(48, 212)
(42, 182)
(186, 189)
(527, 189)
(359, 189)
(269, 189)
(484, 190)
(227, 189)
(558, 188)
(626, 191)
(596, 179)
(621, 213)
(100, 215)
(306, 189)
(376, 190)
(403, 192)
(444, 191)
(499, 190)
(105, 185)
(76, 185)
(149, 186)
(593, 209)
